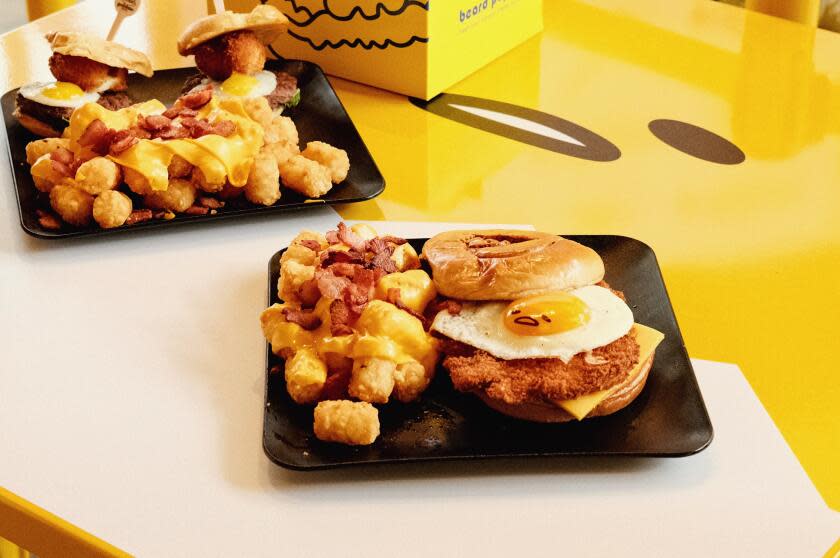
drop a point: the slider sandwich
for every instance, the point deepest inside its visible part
(88, 70)
(230, 53)
(535, 332)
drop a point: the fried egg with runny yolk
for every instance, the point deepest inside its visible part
(58, 94)
(553, 325)
(243, 86)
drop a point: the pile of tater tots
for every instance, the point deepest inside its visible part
(148, 161)
(352, 328)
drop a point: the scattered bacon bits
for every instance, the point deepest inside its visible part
(313, 245)
(305, 319)
(154, 122)
(340, 318)
(123, 140)
(335, 387)
(351, 239)
(197, 99)
(197, 210)
(138, 216)
(97, 137)
(48, 220)
(309, 293)
(210, 203)
(276, 369)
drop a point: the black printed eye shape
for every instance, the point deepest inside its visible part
(550, 132)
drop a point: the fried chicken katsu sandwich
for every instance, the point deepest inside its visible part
(88, 70)
(534, 331)
(230, 53)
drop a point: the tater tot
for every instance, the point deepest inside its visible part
(410, 380)
(346, 422)
(98, 175)
(44, 174)
(259, 111)
(136, 182)
(73, 205)
(292, 276)
(176, 198)
(333, 158)
(417, 289)
(305, 376)
(405, 257)
(111, 208)
(372, 379)
(179, 167)
(308, 177)
(281, 152)
(263, 186)
(269, 319)
(303, 254)
(284, 131)
(200, 182)
(35, 149)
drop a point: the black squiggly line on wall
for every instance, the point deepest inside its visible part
(358, 42)
(357, 10)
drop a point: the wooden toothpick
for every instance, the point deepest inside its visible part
(219, 5)
(124, 8)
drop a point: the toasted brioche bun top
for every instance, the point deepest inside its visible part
(508, 264)
(265, 21)
(100, 50)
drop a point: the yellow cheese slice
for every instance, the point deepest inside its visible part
(648, 339)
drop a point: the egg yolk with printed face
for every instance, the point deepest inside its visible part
(62, 91)
(238, 85)
(546, 314)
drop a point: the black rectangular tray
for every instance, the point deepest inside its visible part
(319, 116)
(668, 419)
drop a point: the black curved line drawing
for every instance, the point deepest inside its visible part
(522, 124)
(356, 10)
(276, 54)
(358, 42)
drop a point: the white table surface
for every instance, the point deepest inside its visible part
(131, 402)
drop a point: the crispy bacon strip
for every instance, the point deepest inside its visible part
(351, 239)
(97, 137)
(336, 385)
(198, 98)
(330, 285)
(313, 245)
(340, 318)
(309, 293)
(138, 216)
(122, 141)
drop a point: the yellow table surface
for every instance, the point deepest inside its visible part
(749, 252)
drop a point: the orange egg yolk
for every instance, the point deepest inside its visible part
(546, 314)
(239, 84)
(62, 90)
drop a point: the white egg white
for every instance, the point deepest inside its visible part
(34, 92)
(266, 83)
(481, 325)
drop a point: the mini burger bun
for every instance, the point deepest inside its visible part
(266, 22)
(107, 52)
(530, 263)
(36, 126)
(546, 411)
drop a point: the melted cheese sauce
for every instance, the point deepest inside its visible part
(219, 158)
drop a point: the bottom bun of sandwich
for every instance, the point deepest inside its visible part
(546, 411)
(36, 126)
